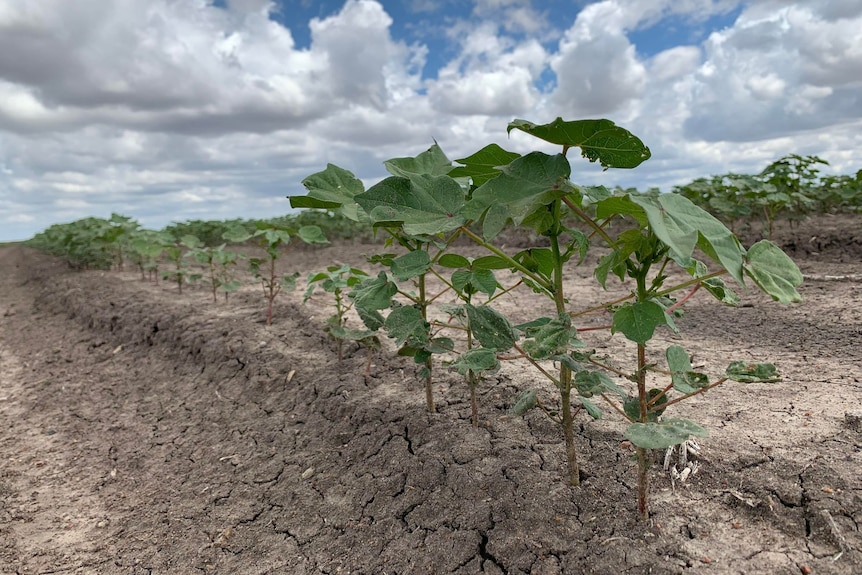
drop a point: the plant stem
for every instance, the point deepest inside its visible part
(429, 364)
(590, 222)
(565, 371)
(643, 461)
(541, 282)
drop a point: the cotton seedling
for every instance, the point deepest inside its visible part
(337, 280)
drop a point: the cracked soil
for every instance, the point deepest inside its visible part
(146, 433)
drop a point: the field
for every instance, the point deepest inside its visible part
(144, 432)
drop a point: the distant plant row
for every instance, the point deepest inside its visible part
(121, 243)
(791, 188)
(105, 243)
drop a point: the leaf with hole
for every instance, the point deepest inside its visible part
(661, 435)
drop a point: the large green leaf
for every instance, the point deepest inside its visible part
(662, 435)
(491, 328)
(331, 189)
(681, 225)
(484, 165)
(372, 319)
(477, 360)
(374, 293)
(638, 321)
(599, 140)
(406, 325)
(552, 338)
(773, 272)
(432, 162)
(525, 186)
(410, 265)
(589, 383)
(423, 204)
(474, 281)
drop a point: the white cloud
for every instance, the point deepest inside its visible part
(778, 72)
(164, 109)
(597, 68)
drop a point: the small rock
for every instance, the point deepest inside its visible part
(308, 473)
(853, 420)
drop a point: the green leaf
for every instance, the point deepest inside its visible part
(526, 401)
(773, 272)
(662, 435)
(684, 379)
(312, 235)
(374, 293)
(406, 325)
(191, 242)
(552, 338)
(410, 265)
(612, 262)
(495, 221)
(236, 235)
(484, 165)
(589, 383)
(372, 319)
(476, 360)
(592, 409)
(638, 321)
(471, 282)
(331, 189)
(682, 226)
(678, 359)
(522, 189)
(491, 328)
(432, 162)
(490, 263)
(453, 261)
(423, 204)
(568, 361)
(440, 345)
(599, 140)
(288, 281)
(749, 372)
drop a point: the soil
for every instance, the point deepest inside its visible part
(143, 432)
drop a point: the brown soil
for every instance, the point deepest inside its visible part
(146, 433)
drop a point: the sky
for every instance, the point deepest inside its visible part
(170, 110)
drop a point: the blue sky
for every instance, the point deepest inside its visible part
(169, 110)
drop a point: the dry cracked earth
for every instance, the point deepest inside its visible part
(143, 432)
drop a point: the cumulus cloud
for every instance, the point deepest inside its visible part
(597, 68)
(778, 72)
(167, 109)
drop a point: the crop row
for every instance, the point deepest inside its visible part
(430, 206)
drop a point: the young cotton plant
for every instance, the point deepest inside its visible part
(337, 280)
(273, 238)
(218, 264)
(494, 189)
(175, 253)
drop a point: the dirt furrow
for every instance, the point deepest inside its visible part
(179, 437)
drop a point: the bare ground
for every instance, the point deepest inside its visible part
(146, 433)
